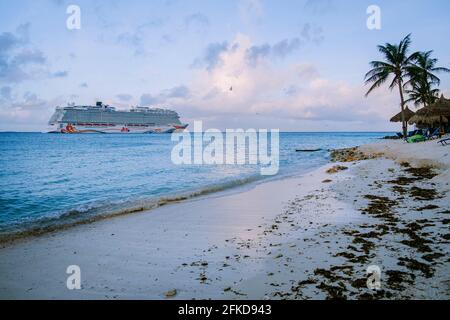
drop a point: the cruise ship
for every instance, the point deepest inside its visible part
(106, 119)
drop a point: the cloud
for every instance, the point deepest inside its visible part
(211, 56)
(152, 23)
(312, 33)
(283, 48)
(124, 97)
(251, 11)
(136, 37)
(148, 100)
(58, 2)
(319, 6)
(83, 85)
(7, 41)
(167, 38)
(196, 21)
(26, 112)
(278, 50)
(292, 90)
(5, 93)
(20, 60)
(16, 58)
(29, 57)
(177, 92)
(133, 39)
(229, 87)
(166, 96)
(60, 74)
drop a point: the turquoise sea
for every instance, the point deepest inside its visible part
(49, 180)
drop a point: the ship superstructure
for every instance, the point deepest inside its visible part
(106, 119)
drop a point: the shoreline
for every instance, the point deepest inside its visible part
(218, 189)
(76, 209)
(304, 237)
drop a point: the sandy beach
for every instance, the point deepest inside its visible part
(306, 237)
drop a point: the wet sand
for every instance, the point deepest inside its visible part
(308, 237)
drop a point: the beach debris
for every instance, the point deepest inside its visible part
(171, 293)
(380, 207)
(350, 155)
(202, 277)
(415, 265)
(428, 207)
(333, 292)
(422, 172)
(238, 293)
(393, 226)
(432, 256)
(397, 278)
(336, 169)
(423, 194)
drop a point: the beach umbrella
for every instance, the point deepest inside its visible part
(433, 114)
(398, 116)
(440, 108)
(427, 120)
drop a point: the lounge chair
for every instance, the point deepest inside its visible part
(416, 138)
(414, 133)
(445, 142)
(434, 133)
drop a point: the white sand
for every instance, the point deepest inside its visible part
(418, 154)
(255, 242)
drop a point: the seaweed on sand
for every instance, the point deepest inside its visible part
(399, 189)
(415, 265)
(396, 279)
(402, 181)
(380, 207)
(415, 240)
(360, 283)
(428, 207)
(336, 168)
(423, 194)
(328, 274)
(377, 295)
(422, 172)
(431, 257)
(333, 292)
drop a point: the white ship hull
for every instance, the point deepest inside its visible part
(73, 129)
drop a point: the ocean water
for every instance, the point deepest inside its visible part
(49, 180)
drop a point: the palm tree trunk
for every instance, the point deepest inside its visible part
(402, 104)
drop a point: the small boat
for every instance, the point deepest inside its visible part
(308, 150)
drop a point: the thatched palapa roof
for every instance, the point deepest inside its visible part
(398, 116)
(435, 113)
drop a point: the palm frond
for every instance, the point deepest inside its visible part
(376, 84)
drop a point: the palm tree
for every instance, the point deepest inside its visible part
(422, 93)
(397, 64)
(422, 79)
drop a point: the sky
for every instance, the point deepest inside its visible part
(291, 65)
